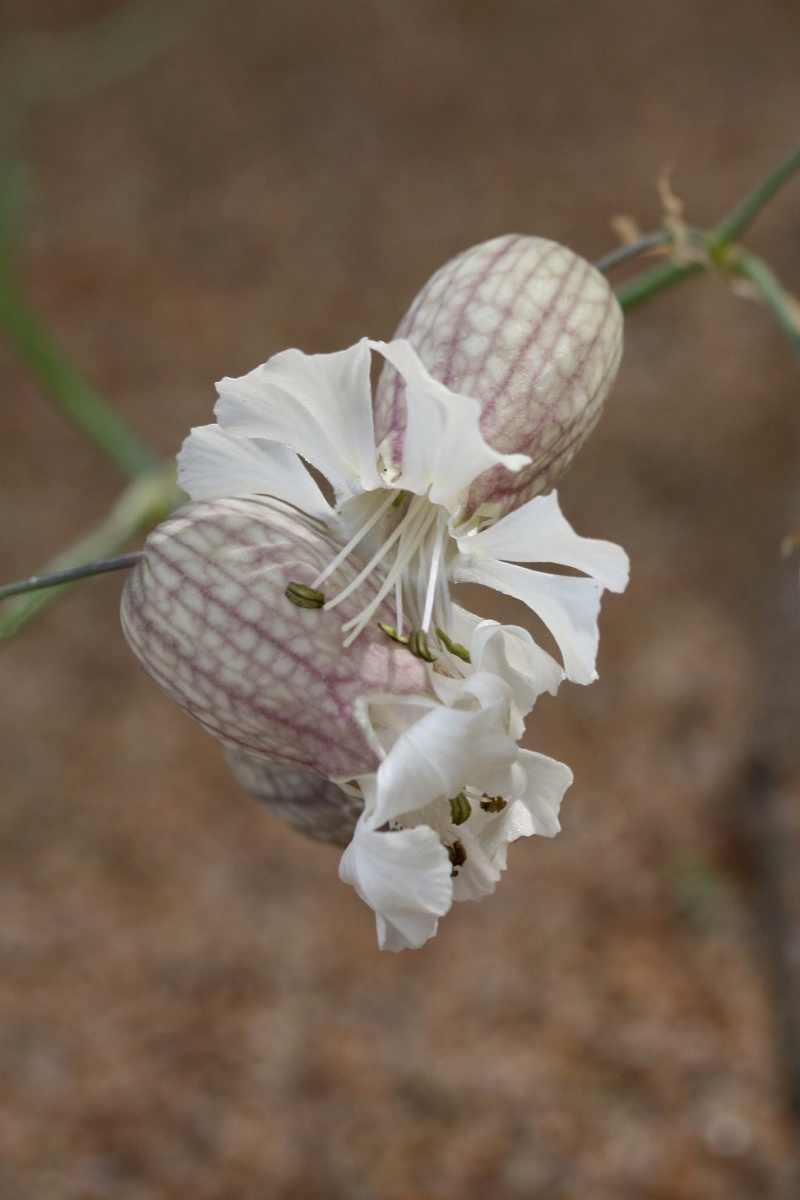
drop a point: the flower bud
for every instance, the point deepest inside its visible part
(534, 333)
(205, 611)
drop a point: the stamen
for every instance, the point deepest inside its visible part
(304, 597)
(454, 647)
(418, 645)
(446, 609)
(389, 502)
(436, 560)
(415, 534)
(457, 855)
(460, 809)
(392, 633)
(378, 555)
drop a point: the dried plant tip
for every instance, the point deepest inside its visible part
(304, 597)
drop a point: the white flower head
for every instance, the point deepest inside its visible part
(452, 791)
(404, 519)
(324, 520)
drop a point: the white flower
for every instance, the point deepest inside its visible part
(323, 517)
(406, 517)
(453, 790)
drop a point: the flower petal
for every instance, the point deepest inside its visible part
(510, 652)
(536, 810)
(212, 465)
(568, 605)
(539, 532)
(404, 876)
(443, 448)
(447, 749)
(319, 404)
(540, 786)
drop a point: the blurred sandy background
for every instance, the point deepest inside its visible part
(192, 1007)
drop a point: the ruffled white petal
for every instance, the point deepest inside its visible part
(212, 465)
(568, 606)
(320, 405)
(440, 754)
(510, 652)
(539, 532)
(537, 807)
(404, 876)
(444, 450)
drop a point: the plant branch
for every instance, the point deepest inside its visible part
(38, 583)
(737, 220)
(783, 307)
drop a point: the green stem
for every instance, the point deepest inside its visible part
(649, 283)
(40, 583)
(34, 345)
(621, 254)
(750, 266)
(737, 220)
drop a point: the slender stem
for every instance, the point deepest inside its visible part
(101, 566)
(630, 249)
(35, 346)
(783, 307)
(649, 283)
(737, 220)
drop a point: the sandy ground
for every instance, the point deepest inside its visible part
(192, 1007)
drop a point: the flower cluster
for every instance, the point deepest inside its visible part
(300, 606)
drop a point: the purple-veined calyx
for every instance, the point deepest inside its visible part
(534, 333)
(205, 613)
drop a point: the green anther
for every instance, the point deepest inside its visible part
(418, 645)
(460, 809)
(398, 500)
(493, 804)
(457, 855)
(454, 647)
(304, 597)
(392, 633)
